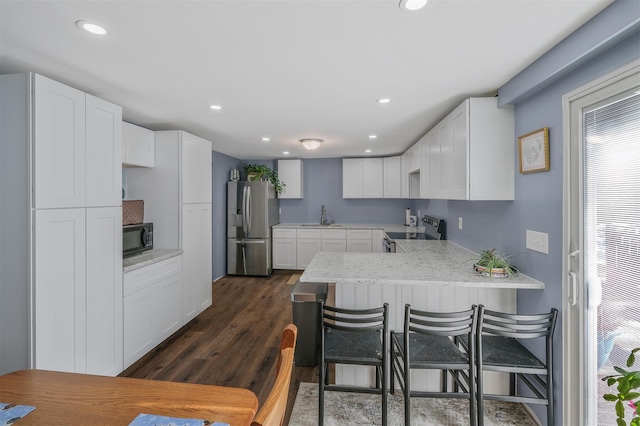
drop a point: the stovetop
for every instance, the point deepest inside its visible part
(407, 235)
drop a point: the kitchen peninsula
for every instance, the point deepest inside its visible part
(430, 275)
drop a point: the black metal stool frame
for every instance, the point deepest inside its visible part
(498, 349)
(428, 342)
(357, 337)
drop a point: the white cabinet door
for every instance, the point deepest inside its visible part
(196, 169)
(103, 153)
(376, 241)
(140, 324)
(168, 306)
(284, 253)
(338, 246)
(290, 172)
(362, 246)
(196, 243)
(404, 176)
(59, 290)
(59, 145)
(392, 177)
(372, 178)
(104, 291)
(305, 250)
(352, 178)
(459, 150)
(138, 146)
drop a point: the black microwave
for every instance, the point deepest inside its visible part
(137, 238)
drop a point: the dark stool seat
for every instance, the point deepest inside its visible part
(356, 337)
(428, 341)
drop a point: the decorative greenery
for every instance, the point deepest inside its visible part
(261, 172)
(628, 386)
(494, 263)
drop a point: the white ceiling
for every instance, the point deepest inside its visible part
(287, 69)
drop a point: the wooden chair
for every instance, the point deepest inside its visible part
(272, 411)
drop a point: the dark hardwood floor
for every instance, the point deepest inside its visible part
(234, 342)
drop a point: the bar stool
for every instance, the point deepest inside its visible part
(499, 349)
(357, 337)
(428, 342)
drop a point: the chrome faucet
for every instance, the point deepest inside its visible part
(323, 216)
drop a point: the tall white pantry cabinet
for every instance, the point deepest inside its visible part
(177, 199)
(61, 223)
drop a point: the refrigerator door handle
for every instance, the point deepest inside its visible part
(248, 211)
(244, 210)
(250, 242)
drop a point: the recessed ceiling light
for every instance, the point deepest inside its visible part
(412, 4)
(265, 139)
(286, 152)
(383, 100)
(372, 136)
(91, 27)
(367, 151)
(215, 107)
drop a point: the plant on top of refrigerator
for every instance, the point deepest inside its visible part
(256, 172)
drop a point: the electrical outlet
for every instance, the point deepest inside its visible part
(460, 222)
(538, 241)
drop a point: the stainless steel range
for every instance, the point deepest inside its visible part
(434, 230)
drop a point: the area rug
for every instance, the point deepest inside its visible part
(356, 409)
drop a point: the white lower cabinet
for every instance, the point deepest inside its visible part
(196, 286)
(339, 246)
(377, 237)
(152, 306)
(305, 250)
(284, 248)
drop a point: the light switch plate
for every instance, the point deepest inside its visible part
(460, 222)
(538, 241)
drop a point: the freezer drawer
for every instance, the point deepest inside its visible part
(249, 257)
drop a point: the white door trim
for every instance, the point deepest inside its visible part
(574, 390)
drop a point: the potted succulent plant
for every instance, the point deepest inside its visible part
(492, 264)
(256, 172)
(628, 386)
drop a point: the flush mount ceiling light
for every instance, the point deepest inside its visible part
(91, 27)
(383, 100)
(311, 144)
(412, 4)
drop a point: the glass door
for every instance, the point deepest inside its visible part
(602, 310)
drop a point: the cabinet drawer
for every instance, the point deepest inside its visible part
(144, 277)
(334, 234)
(309, 233)
(359, 234)
(283, 233)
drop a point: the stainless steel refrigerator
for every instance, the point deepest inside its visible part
(252, 209)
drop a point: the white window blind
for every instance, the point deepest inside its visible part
(612, 236)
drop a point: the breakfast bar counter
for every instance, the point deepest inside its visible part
(430, 275)
(425, 263)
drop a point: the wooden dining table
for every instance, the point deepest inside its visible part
(84, 399)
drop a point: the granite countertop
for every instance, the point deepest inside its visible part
(427, 262)
(386, 227)
(147, 258)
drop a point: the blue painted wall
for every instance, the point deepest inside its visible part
(221, 166)
(323, 186)
(538, 203)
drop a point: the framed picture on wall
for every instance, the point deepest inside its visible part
(533, 151)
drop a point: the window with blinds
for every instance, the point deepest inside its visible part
(612, 238)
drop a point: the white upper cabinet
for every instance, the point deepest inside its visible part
(392, 177)
(196, 170)
(290, 172)
(103, 153)
(362, 178)
(59, 144)
(469, 154)
(372, 178)
(138, 146)
(352, 178)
